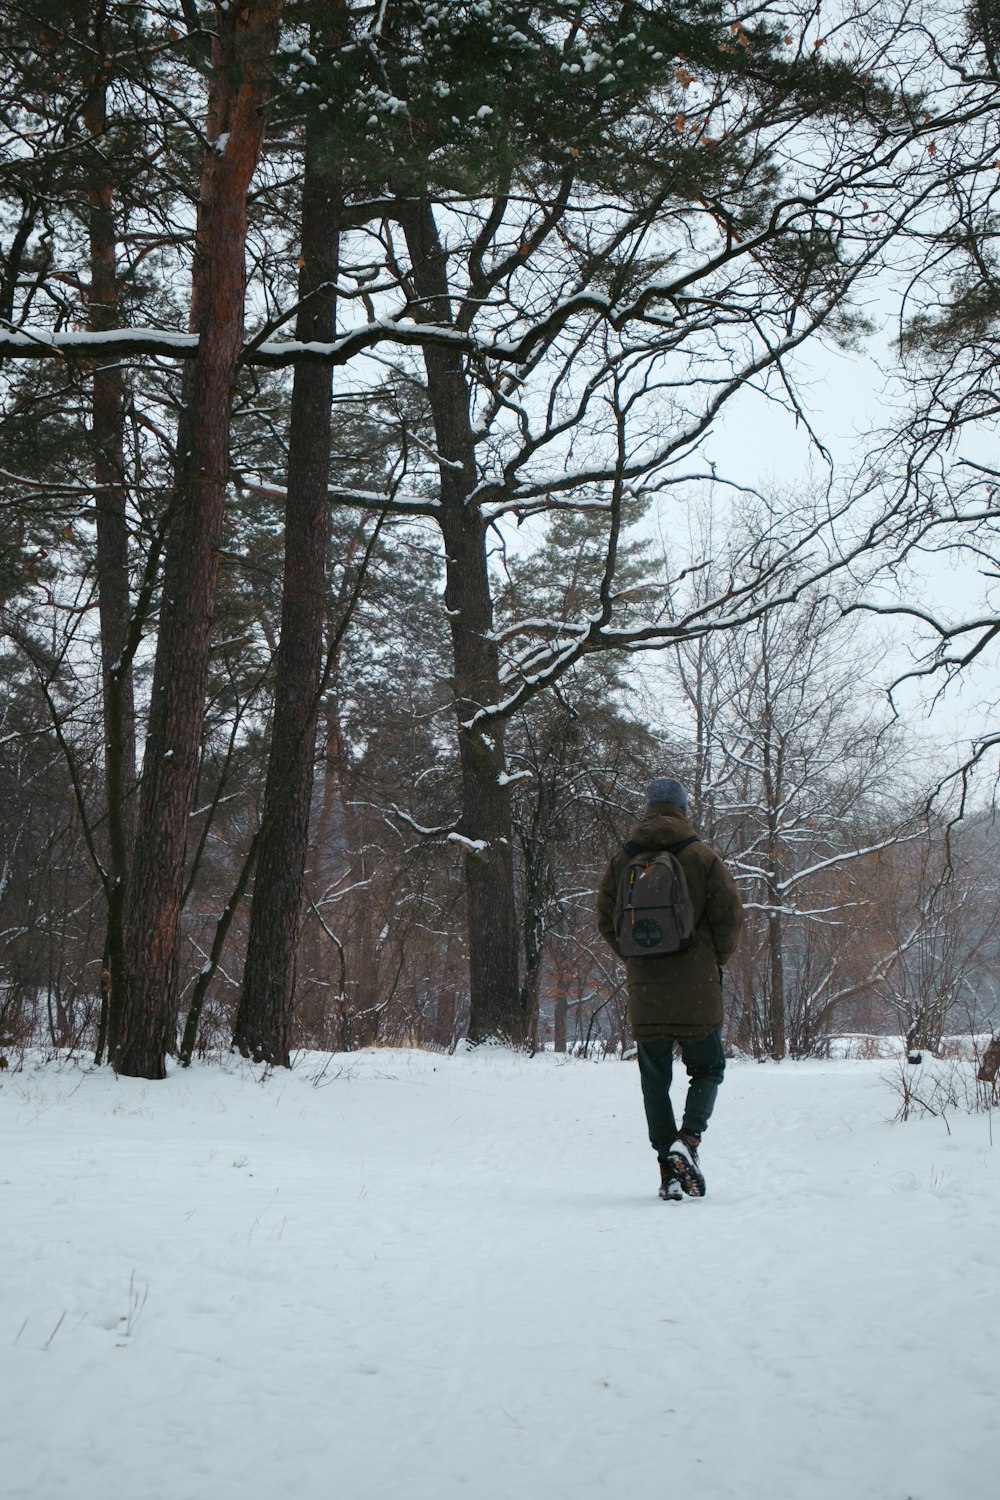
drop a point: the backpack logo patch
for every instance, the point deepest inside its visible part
(647, 932)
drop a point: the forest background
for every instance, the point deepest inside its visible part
(372, 524)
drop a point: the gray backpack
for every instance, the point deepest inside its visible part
(653, 913)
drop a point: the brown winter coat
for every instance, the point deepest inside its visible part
(679, 995)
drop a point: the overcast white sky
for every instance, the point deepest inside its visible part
(850, 395)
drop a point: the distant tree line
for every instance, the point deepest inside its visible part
(351, 357)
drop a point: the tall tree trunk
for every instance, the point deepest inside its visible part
(494, 996)
(772, 766)
(536, 887)
(497, 1005)
(112, 564)
(340, 833)
(243, 50)
(264, 1016)
(534, 954)
(776, 980)
(559, 1009)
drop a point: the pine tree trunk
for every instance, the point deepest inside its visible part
(264, 1017)
(497, 1005)
(112, 570)
(341, 831)
(495, 999)
(242, 60)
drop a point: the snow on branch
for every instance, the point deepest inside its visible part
(446, 829)
(815, 912)
(774, 584)
(849, 854)
(32, 343)
(39, 343)
(48, 488)
(470, 846)
(396, 504)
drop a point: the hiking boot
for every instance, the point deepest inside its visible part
(670, 1188)
(683, 1159)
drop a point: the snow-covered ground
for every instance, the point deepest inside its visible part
(426, 1277)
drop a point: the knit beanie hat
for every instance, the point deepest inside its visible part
(666, 789)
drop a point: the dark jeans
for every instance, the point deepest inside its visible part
(705, 1062)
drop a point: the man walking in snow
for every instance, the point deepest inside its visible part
(676, 998)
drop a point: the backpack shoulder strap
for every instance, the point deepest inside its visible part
(676, 848)
(632, 849)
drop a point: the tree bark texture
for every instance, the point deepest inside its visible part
(242, 61)
(107, 422)
(772, 764)
(536, 886)
(990, 1064)
(559, 1021)
(339, 824)
(497, 1005)
(264, 1016)
(778, 1044)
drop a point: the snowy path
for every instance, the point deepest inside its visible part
(439, 1277)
